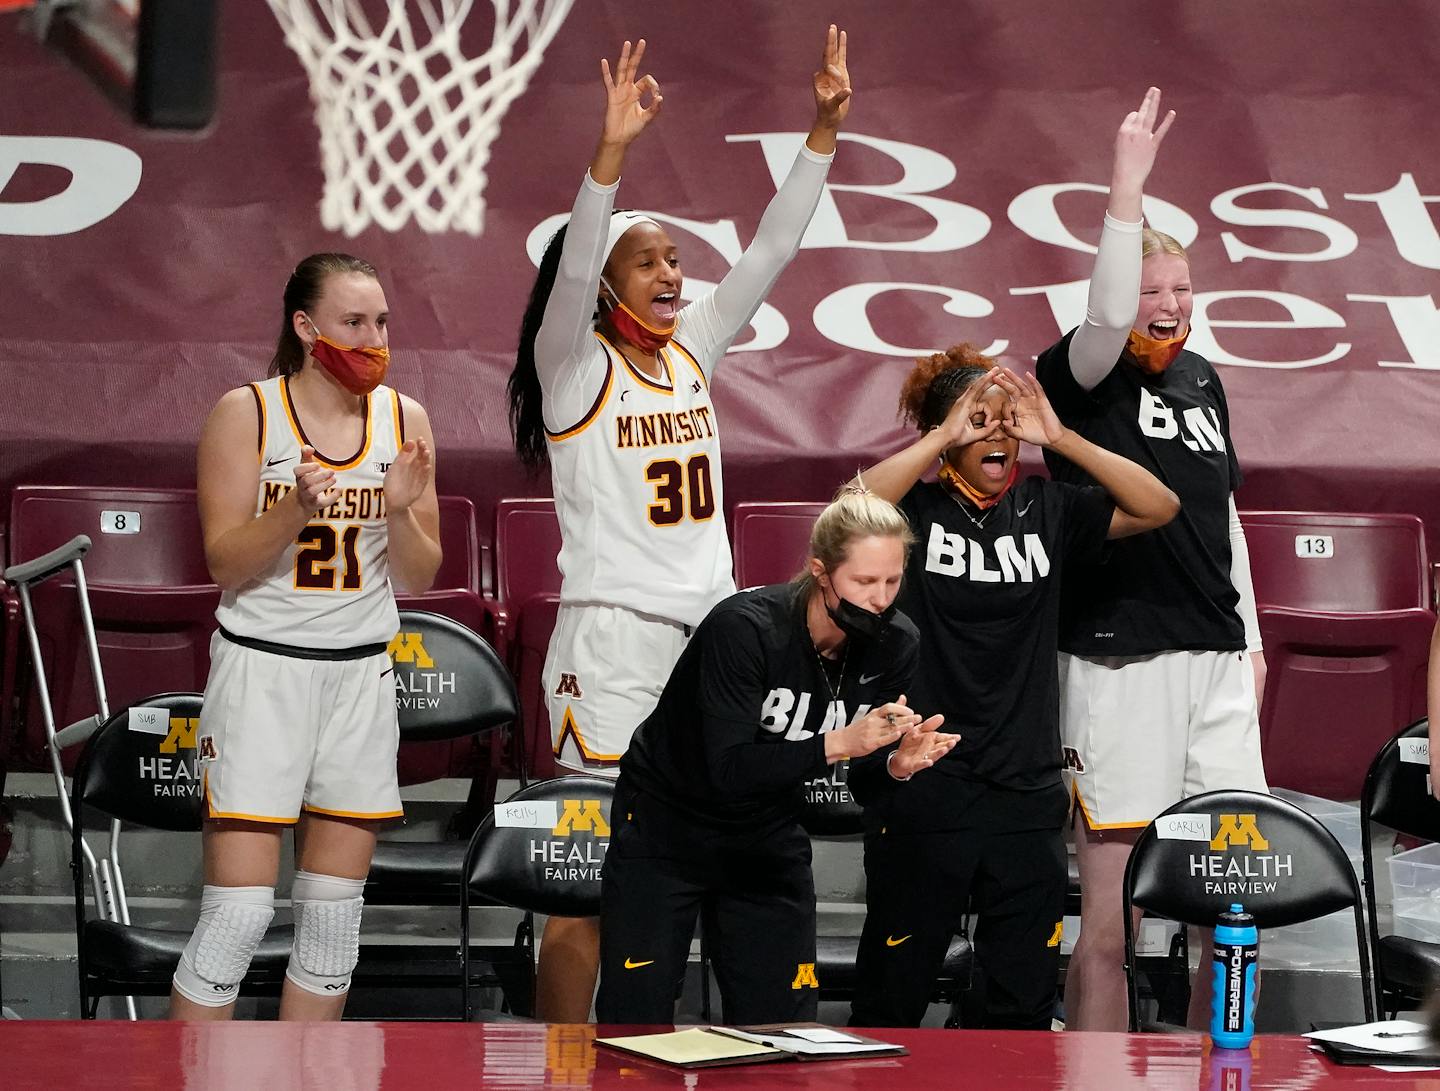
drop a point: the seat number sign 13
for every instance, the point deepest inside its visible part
(119, 522)
(1314, 546)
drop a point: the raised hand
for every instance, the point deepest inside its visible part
(1135, 146)
(314, 483)
(832, 82)
(409, 475)
(1031, 418)
(969, 419)
(626, 115)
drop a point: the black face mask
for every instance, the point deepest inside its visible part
(858, 622)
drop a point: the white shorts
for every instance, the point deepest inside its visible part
(280, 734)
(1143, 732)
(603, 675)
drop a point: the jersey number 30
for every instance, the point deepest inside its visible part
(678, 487)
(315, 568)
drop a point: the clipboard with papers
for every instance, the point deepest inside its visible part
(705, 1047)
(1395, 1043)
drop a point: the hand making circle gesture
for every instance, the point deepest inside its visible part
(969, 418)
(626, 115)
(832, 82)
(1139, 139)
(1031, 418)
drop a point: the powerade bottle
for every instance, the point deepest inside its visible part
(1237, 950)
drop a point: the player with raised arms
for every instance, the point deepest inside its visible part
(316, 492)
(611, 386)
(984, 831)
(1157, 699)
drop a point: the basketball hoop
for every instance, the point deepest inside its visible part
(406, 120)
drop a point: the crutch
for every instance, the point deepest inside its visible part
(106, 879)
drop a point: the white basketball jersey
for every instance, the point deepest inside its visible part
(330, 588)
(637, 490)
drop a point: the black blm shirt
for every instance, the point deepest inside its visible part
(1169, 589)
(739, 728)
(983, 588)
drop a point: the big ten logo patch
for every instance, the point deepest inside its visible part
(1241, 860)
(173, 771)
(831, 790)
(575, 849)
(419, 682)
(805, 977)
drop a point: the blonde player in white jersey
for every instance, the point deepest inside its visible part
(621, 409)
(316, 492)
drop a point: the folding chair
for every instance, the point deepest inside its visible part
(1345, 612)
(449, 684)
(1231, 846)
(140, 768)
(457, 593)
(150, 599)
(1397, 796)
(540, 851)
(771, 540)
(527, 588)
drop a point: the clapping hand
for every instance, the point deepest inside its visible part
(409, 475)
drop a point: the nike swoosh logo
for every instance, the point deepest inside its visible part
(1023, 510)
(1203, 382)
(891, 941)
(636, 965)
(866, 679)
(386, 671)
(277, 461)
(622, 394)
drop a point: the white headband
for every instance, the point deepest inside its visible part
(622, 222)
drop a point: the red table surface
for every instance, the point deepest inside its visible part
(440, 1056)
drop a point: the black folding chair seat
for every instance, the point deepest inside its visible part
(417, 872)
(131, 955)
(119, 775)
(1408, 965)
(1397, 797)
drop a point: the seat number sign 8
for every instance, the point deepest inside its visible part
(1314, 546)
(119, 522)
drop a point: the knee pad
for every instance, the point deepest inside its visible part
(232, 923)
(327, 932)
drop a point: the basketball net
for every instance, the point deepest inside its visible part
(406, 120)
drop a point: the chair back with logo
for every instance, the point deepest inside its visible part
(144, 766)
(1346, 615)
(540, 851)
(1209, 851)
(458, 593)
(449, 681)
(1397, 796)
(771, 540)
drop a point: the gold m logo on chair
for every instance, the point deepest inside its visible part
(182, 734)
(582, 814)
(409, 648)
(1238, 829)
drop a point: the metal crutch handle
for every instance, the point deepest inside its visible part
(48, 564)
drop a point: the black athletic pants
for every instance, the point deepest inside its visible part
(918, 886)
(757, 897)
